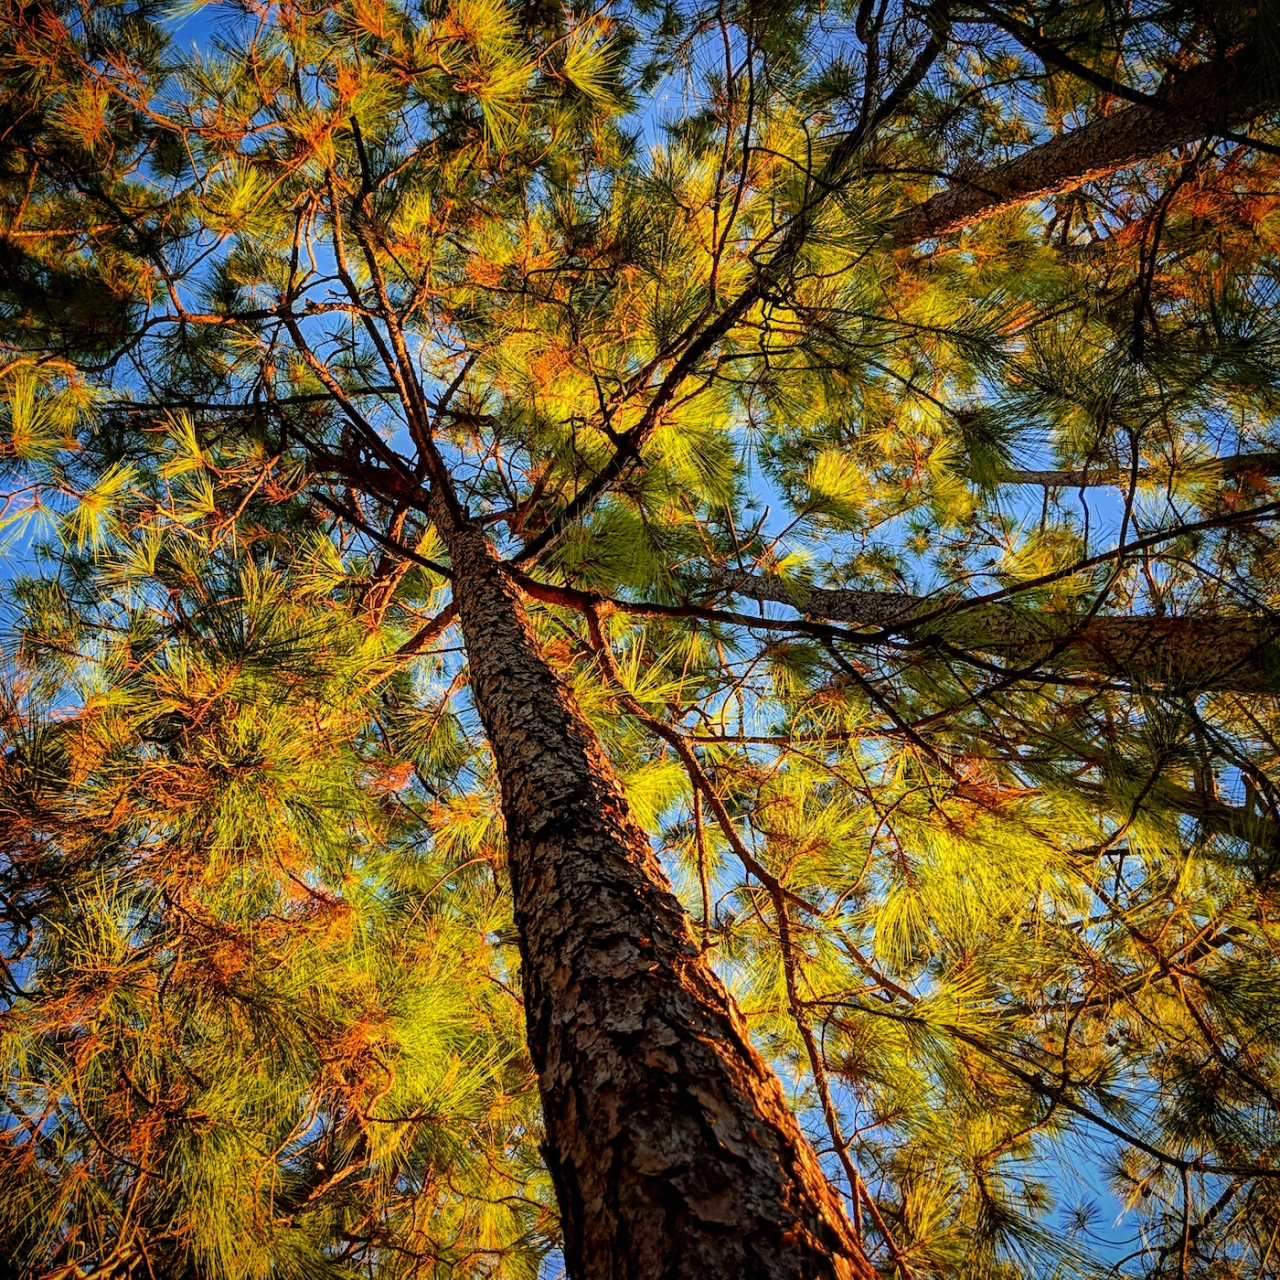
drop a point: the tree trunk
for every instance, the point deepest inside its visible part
(1204, 97)
(672, 1149)
(1234, 653)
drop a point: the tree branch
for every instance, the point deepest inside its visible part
(1198, 104)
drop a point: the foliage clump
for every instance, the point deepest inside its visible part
(257, 1019)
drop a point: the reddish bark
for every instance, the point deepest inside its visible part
(1201, 100)
(672, 1148)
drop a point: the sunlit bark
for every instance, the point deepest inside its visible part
(670, 1143)
(1202, 100)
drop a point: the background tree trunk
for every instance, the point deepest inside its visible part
(672, 1148)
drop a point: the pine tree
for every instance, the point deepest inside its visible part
(971, 834)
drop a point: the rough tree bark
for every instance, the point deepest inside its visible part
(1221, 95)
(670, 1143)
(1226, 652)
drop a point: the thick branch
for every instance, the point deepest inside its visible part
(1224, 652)
(1199, 103)
(1238, 464)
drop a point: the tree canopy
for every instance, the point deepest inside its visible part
(569, 563)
